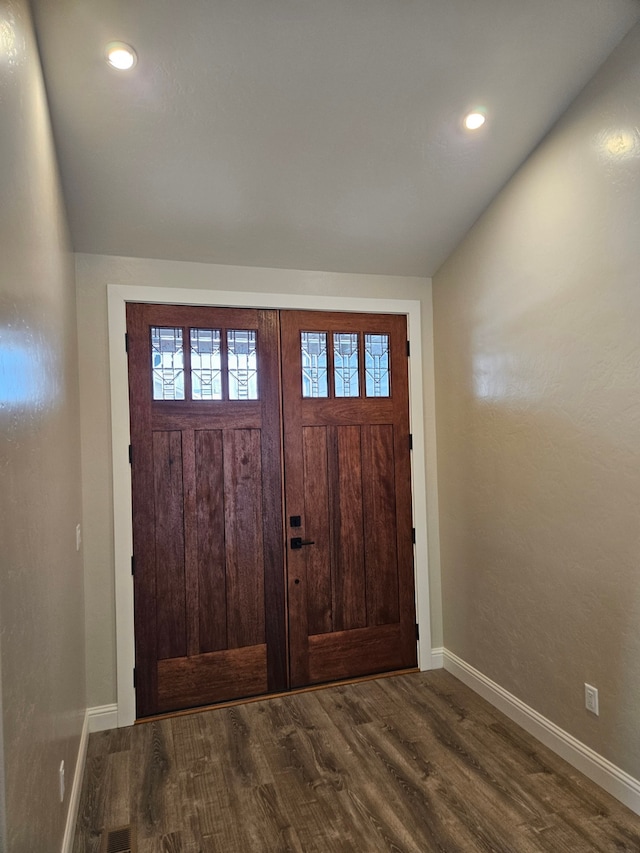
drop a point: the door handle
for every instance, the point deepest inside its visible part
(297, 542)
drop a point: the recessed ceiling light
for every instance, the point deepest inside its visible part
(474, 120)
(120, 55)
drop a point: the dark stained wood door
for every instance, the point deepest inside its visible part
(223, 609)
(351, 605)
(209, 588)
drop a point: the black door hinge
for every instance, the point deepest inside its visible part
(417, 631)
(408, 348)
(410, 441)
(133, 565)
(126, 341)
(413, 535)
(134, 676)
(130, 454)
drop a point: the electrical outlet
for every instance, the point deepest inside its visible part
(591, 699)
(61, 781)
(78, 537)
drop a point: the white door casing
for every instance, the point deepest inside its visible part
(118, 296)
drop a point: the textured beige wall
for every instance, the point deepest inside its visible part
(93, 273)
(41, 579)
(537, 341)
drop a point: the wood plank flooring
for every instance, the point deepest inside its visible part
(410, 764)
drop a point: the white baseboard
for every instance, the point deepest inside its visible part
(76, 788)
(95, 720)
(437, 658)
(102, 717)
(608, 776)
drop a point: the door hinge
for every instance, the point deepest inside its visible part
(410, 441)
(126, 341)
(133, 565)
(417, 631)
(408, 348)
(413, 535)
(134, 677)
(130, 454)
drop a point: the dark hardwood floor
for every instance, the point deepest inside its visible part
(414, 763)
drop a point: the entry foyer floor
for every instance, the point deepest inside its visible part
(411, 764)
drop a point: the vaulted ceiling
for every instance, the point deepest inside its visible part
(308, 134)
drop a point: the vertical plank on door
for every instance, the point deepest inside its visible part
(142, 483)
(211, 547)
(192, 586)
(272, 500)
(380, 528)
(243, 535)
(349, 596)
(316, 515)
(169, 524)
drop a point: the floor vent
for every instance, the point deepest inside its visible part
(121, 840)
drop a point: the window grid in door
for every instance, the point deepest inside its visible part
(242, 364)
(167, 359)
(313, 347)
(376, 361)
(345, 364)
(219, 364)
(206, 364)
(359, 361)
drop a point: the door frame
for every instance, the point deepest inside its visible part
(118, 296)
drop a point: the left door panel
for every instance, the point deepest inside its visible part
(207, 505)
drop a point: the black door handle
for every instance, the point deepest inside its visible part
(297, 542)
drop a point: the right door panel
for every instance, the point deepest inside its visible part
(347, 494)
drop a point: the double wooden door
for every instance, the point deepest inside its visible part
(271, 501)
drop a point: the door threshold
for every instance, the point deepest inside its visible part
(311, 688)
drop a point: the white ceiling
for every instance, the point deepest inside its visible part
(306, 134)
